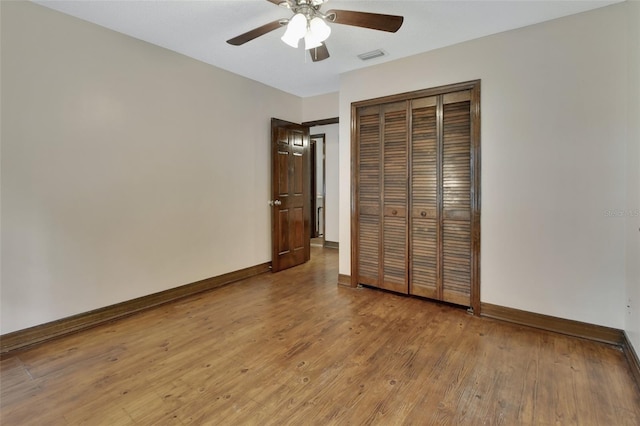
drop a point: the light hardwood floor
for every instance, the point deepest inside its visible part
(294, 348)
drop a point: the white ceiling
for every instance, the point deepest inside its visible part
(199, 29)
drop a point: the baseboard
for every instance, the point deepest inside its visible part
(559, 325)
(632, 358)
(42, 333)
(331, 244)
(344, 280)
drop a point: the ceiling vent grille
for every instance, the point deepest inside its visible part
(372, 55)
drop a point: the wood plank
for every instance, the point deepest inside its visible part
(295, 348)
(41, 333)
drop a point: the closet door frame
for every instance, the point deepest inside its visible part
(474, 87)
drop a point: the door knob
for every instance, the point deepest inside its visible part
(275, 203)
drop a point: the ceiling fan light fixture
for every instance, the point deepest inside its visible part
(311, 41)
(296, 29)
(320, 29)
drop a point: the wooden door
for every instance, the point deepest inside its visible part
(368, 186)
(290, 189)
(394, 196)
(382, 196)
(455, 223)
(425, 232)
(416, 193)
(440, 234)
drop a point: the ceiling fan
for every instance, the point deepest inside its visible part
(310, 24)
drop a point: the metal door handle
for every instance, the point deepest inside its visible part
(277, 202)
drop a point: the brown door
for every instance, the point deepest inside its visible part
(382, 196)
(441, 196)
(415, 185)
(290, 190)
(394, 197)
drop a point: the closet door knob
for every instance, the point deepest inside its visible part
(423, 213)
(394, 212)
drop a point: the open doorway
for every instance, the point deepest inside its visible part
(318, 170)
(325, 202)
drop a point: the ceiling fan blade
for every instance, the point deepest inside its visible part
(277, 2)
(319, 53)
(254, 33)
(375, 21)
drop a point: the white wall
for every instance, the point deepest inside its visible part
(553, 153)
(332, 164)
(126, 169)
(319, 195)
(320, 107)
(633, 178)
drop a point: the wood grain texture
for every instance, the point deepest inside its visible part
(394, 197)
(295, 348)
(559, 325)
(290, 193)
(45, 332)
(415, 193)
(323, 122)
(369, 189)
(255, 33)
(375, 21)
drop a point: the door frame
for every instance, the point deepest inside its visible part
(314, 123)
(314, 185)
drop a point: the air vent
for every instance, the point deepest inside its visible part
(371, 55)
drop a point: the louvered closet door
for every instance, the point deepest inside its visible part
(395, 200)
(440, 237)
(425, 276)
(369, 200)
(456, 198)
(416, 192)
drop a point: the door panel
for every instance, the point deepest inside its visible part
(283, 235)
(368, 224)
(394, 170)
(298, 173)
(283, 173)
(290, 191)
(425, 271)
(298, 221)
(456, 199)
